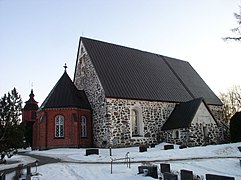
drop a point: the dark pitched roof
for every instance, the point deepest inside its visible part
(31, 104)
(182, 115)
(65, 95)
(134, 74)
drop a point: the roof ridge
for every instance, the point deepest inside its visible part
(123, 46)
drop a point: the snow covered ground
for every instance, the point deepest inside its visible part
(213, 159)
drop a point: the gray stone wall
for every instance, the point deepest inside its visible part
(194, 136)
(217, 112)
(183, 136)
(154, 114)
(223, 126)
(198, 138)
(87, 79)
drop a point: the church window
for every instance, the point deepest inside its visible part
(83, 127)
(59, 126)
(136, 123)
(176, 134)
(205, 131)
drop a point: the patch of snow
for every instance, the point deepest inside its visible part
(214, 159)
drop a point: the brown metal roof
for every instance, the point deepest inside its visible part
(134, 74)
(182, 115)
(65, 95)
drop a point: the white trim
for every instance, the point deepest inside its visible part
(83, 126)
(59, 125)
(174, 134)
(140, 124)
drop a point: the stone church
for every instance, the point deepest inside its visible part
(122, 96)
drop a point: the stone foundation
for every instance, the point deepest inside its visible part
(194, 136)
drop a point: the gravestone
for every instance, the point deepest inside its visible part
(186, 175)
(2, 176)
(169, 176)
(92, 151)
(239, 148)
(28, 176)
(2, 160)
(142, 148)
(165, 168)
(152, 171)
(28, 170)
(182, 146)
(18, 171)
(218, 177)
(168, 146)
(2, 156)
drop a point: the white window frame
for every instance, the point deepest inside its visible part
(136, 122)
(176, 134)
(83, 126)
(59, 126)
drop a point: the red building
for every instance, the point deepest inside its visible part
(29, 117)
(64, 118)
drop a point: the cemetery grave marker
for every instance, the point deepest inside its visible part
(92, 151)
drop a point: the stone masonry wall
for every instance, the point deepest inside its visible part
(194, 136)
(111, 117)
(223, 127)
(87, 79)
(217, 112)
(154, 114)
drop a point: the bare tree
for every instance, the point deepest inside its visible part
(237, 30)
(231, 100)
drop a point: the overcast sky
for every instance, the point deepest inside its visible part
(38, 36)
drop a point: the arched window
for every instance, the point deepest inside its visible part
(83, 127)
(176, 134)
(59, 126)
(205, 131)
(136, 123)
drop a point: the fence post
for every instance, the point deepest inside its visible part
(111, 166)
(129, 162)
(110, 151)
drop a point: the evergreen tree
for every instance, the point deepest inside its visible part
(235, 127)
(11, 131)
